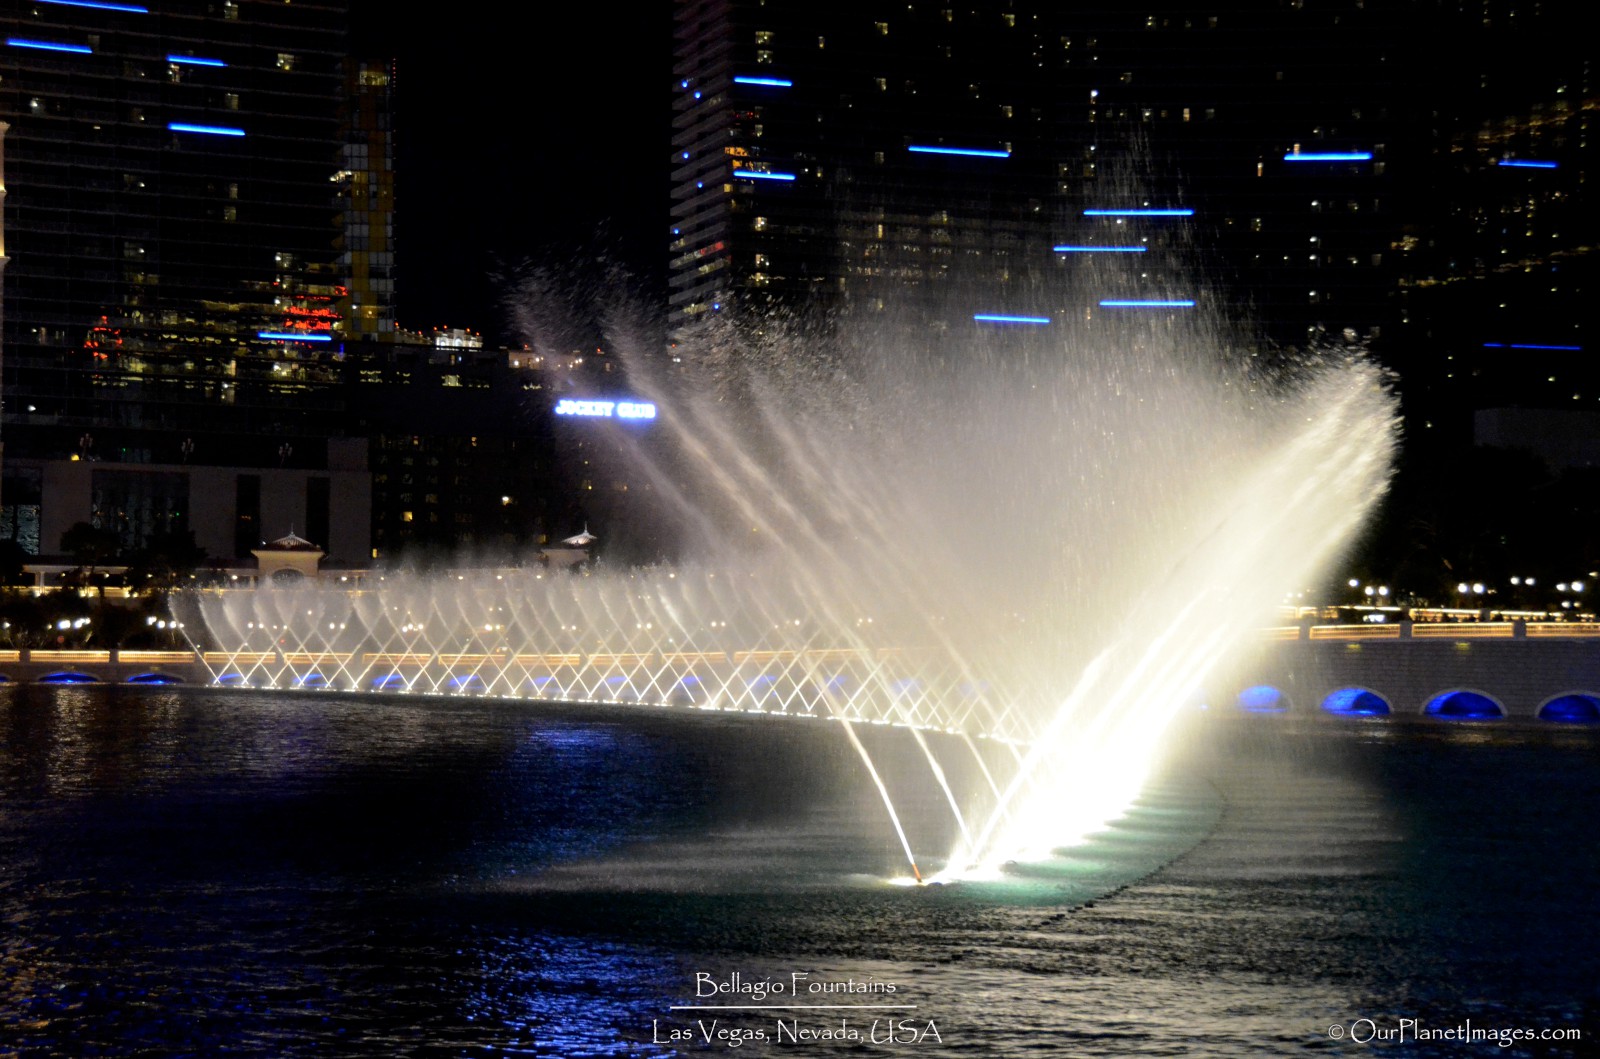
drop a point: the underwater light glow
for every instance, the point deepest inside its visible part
(1525, 163)
(1124, 303)
(992, 318)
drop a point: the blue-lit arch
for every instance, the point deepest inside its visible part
(1355, 702)
(1463, 704)
(68, 676)
(1263, 698)
(1572, 707)
(155, 678)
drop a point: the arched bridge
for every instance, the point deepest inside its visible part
(1465, 670)
(1475, 670)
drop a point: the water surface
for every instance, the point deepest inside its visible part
(193, 872)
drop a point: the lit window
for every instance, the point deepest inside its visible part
(883, 28)
(760, 224)
(763, 36)
(285, 60)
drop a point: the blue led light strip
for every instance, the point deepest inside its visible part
(1101, 249)
(194, 60)
(45, 45)
(209, 130)
(974, 152)
(769, 82)
(293, 336)
(751, 174)
(1176, 303)
(990, 318)
(1331, 156)
(1173, 212)
(1526, 163)
(103, 5)
(1526, 345)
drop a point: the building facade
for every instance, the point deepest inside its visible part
(954, 155)
(168, 220)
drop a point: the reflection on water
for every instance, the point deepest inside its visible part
(183, 872)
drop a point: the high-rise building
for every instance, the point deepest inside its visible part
(366, 198)
(843, 155)
(173, 288)
(174, 298)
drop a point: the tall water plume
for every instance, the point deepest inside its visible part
(1072, 522)
(1040, 537)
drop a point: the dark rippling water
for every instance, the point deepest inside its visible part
(201, 873)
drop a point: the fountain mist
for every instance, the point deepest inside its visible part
(1041, 539)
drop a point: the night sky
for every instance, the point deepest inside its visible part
(520, 141)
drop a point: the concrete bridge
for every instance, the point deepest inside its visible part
(1471, 669)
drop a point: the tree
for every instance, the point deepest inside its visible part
(90, 547)
(165, 562)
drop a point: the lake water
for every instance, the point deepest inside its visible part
(197, 872)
